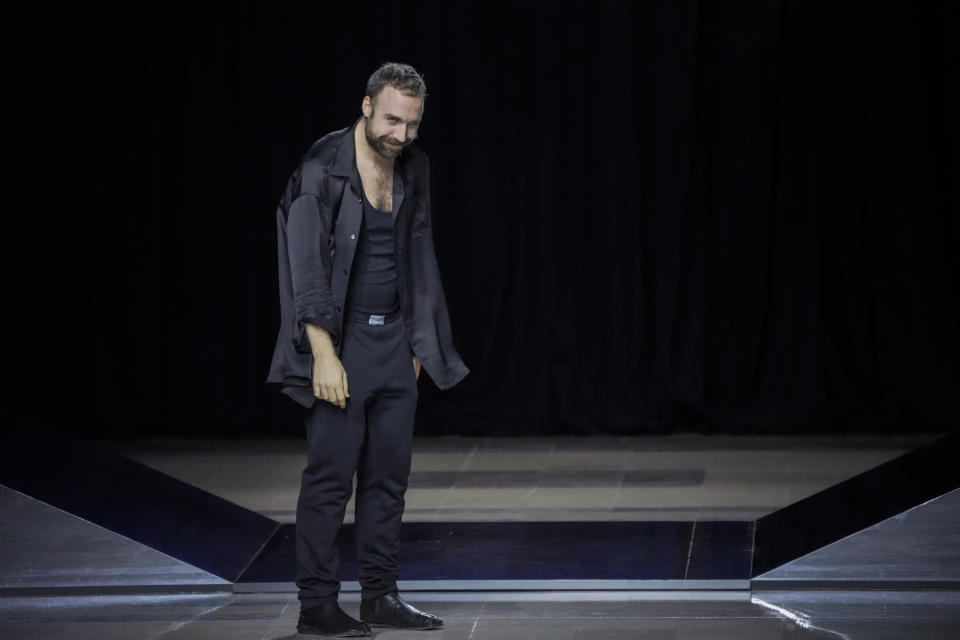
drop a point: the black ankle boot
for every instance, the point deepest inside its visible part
(328, 619)
(393, 611)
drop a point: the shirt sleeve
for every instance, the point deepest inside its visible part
(308, 240)
(432, 337)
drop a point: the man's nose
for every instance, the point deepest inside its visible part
(400, 134)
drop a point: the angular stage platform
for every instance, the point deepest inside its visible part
(569, 539)
(684, 512)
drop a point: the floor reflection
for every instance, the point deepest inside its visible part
(802, 627)
(821, 615)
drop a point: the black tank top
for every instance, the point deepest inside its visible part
(373, 280)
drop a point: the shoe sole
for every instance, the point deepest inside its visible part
(377, 625)
(345, 634)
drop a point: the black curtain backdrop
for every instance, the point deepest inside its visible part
(708, 216)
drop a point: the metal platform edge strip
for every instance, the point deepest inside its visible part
(518, 585)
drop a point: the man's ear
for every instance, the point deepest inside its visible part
(367, 107)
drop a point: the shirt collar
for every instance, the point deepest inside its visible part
(345, 164)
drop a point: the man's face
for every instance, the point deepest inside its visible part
(391, 121)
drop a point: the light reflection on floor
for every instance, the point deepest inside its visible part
(571, 616)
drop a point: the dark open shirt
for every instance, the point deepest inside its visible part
(318, 222)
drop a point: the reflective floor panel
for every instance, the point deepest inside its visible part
(43, 548)
(572, 616)
(671, 478)
(922, 544)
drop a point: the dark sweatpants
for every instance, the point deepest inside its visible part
(372, 436)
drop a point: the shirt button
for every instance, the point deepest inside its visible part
(353, 236)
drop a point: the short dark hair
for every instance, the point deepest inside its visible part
(401, 77)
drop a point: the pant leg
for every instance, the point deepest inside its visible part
(384, 465)
(335, 440)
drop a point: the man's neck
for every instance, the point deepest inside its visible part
(367, 154)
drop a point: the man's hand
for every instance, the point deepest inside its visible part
(329, 376)
(330, 380)
(416, 367)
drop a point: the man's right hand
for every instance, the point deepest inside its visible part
(330, 380)
(329, 376)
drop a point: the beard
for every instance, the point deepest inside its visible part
(383, 145)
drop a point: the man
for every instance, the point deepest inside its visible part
(362, 308)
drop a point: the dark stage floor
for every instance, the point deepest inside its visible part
(579, 538)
